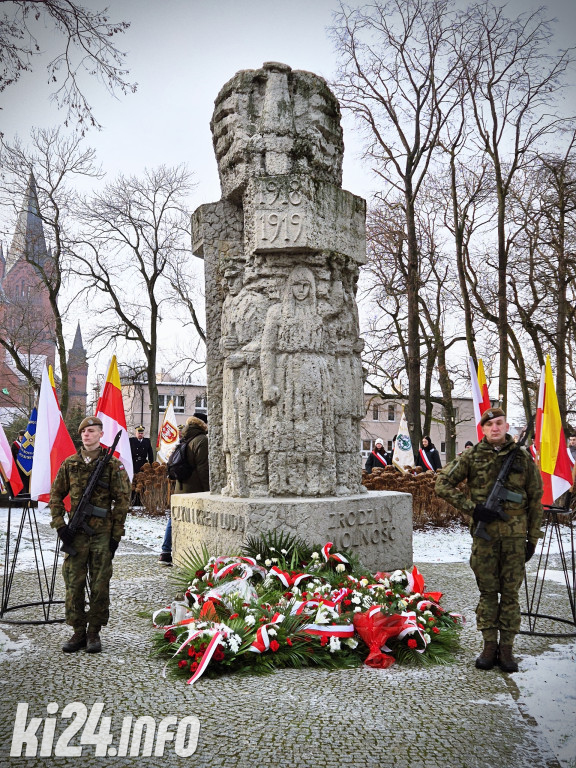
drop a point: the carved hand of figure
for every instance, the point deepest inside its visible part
(230, 342)
(235, 360)
(271, 395)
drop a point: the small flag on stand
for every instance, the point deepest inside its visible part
(110, 410)
(52, 443)
(555, 464)
(168, 435)
(403, 455)
(480, 398)
(8, 465)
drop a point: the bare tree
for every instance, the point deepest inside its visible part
(87, 47)
(52, 162)
(133, 231)
(512, 81)
(397, 77)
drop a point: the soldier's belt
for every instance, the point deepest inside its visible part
(93, 511)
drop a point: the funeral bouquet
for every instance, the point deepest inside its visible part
(285, 603)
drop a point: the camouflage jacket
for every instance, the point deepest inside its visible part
(479, 467)
(112, 493)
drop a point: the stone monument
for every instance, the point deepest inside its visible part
(282, 249)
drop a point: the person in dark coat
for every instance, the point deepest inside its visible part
(428, 457)
(378, 457)
(141, 449)
(195, 435)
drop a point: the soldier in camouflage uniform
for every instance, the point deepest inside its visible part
(94, 553)
(498, 564)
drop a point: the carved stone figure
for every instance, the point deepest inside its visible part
(290, 378)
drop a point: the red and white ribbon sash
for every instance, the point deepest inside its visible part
(330, 630)
(425, 459)
(262, 641)
(380, 458)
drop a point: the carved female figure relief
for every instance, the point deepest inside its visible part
(296, 388)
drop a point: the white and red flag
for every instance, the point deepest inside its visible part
(480, 397)
(555, 464)
(168, 435)
(52, 443)
(110, 411)
(8, 465)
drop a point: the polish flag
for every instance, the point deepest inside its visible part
(555, 464)
(480, 398)
(9, 465)
(52, 444)
(110, 410)
(168, 436)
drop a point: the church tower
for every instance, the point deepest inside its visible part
(26, 318)
(77, 374)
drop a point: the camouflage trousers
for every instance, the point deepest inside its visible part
(499, 569)
(93, 565)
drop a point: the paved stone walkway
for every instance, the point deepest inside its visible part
(438, 717)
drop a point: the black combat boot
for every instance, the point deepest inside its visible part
(487, 658)
(93, 644)
(506, 660)
(76, 642)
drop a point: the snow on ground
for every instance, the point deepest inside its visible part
(547, 683)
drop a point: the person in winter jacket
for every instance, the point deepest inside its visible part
(194, 434)
(378, 457)
(428, 457)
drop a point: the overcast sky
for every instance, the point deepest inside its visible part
(181, 52)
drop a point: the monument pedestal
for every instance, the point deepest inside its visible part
(376, 526)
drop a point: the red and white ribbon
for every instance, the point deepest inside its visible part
(336, 556)
(287, 579)
(425, 459)
(206, 658)
(330, 630)
(262, 641)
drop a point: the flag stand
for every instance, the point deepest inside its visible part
(558, 521)
(46, 577)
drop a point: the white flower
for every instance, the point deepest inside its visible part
(250, 620)
(426, 638)
(351, 643)
(267, 563)
(315, 556)
(367, 601)
(357, 609)
(363, 582)
(284, 552)
(341, 567)
(334, 644)
(258, 556)
(273, 549)
(274, 559)
(356, 600)
(272, 632)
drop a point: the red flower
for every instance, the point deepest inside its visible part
(289, 642)
(191, 651)
(170, 635)
(218, 654)
(347, 602)
(182, 663)
(412, 643)
(234, 616)
(435, 630)
(193, 666)
(202, 647)
(199, 573)
(323, 640)
(274, 645)
(199, 655)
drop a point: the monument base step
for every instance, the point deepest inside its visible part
(376, 526)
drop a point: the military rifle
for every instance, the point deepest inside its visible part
(499, 493)
(85, 509)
